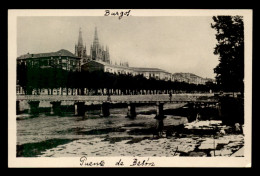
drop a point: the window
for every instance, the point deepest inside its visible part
(36, 63)
(51, 62)
(64, 61)
(44, 62)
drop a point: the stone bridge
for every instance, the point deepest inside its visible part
(80, 101)
(123, 98)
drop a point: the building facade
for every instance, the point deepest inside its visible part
(61, 59)
(148, 73)
(190, 78)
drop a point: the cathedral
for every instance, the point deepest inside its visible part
(80, 50)
(97, 51)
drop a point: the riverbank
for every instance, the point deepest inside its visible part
(139, 141)
(191, 146)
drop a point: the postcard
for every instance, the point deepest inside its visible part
(129, 88)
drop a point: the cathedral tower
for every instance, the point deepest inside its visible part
(97, 51)
(81, 50)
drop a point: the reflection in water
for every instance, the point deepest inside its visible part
(159, 127)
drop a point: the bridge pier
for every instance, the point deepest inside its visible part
(159, 119)
(159, 111)
(104, 109)
(55, 107)
(131, 113)
(79, 108)
(33, 107)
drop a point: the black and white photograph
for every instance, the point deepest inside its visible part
(129, 88)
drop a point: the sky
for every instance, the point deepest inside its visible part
(172, 43)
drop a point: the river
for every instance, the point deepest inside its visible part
(116, 135)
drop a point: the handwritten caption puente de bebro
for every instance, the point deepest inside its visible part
(134, 162)
(120, 14)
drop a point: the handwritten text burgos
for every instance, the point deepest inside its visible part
(120, 14)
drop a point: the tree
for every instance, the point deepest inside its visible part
(230, 48)
(22, 75)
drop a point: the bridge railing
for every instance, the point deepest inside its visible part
(116, 98)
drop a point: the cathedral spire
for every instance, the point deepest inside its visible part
(80, 40)
(96, 37)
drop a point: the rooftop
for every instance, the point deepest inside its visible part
(148, 69)
(61, 52)
(131, 68)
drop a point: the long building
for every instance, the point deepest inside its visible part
(156, 73)
(190, 78)
(60, 59)
(99, 59)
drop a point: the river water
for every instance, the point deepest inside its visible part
(69, 135)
